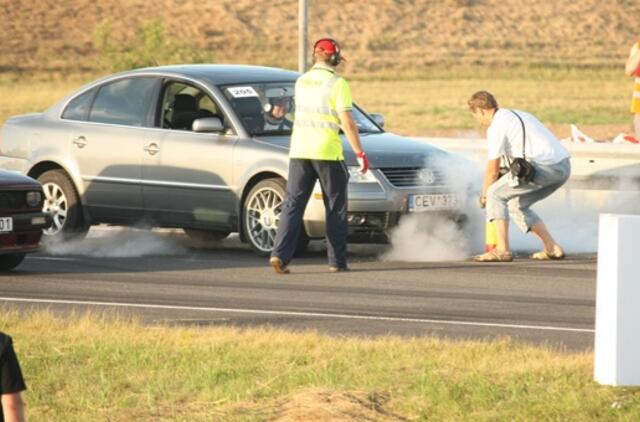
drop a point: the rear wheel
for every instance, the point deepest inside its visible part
(9, 261)
(261, 216)
(61, 200)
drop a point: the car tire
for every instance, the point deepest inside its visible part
(261, 214)
(9, 261)
(62, 201)
(206, 235)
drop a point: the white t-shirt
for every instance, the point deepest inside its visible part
(504, 137)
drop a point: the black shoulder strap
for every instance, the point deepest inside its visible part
(524, 134)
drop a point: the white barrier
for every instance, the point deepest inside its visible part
(588, 161)
(617, 338)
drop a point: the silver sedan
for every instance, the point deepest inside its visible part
(205, 148)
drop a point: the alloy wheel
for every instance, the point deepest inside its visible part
(262, 217)
(56, 203)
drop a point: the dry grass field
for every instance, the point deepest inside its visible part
(377, 35)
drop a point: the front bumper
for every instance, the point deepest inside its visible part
(373, 210)
(26, 233)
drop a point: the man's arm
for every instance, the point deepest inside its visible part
(350, 130)
(13, 407)
(490, 176)
(633, 61)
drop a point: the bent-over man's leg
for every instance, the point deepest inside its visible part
(498, 196)
(334, 178)
(302, 178)
(547, 180)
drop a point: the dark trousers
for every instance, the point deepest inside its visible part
(333, 176)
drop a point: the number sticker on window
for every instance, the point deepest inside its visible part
(242, 91)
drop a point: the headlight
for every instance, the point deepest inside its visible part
(33, 198)
(356, 177)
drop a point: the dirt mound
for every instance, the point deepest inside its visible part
(332, 406)
(50, 35)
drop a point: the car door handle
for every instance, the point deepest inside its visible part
(152, 148)
(80, 141)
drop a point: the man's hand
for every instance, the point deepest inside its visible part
(363, 162)
(351, 132)
(482, 202)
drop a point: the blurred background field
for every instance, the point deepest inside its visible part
(432, 103)
(377, 35)
(414, 61)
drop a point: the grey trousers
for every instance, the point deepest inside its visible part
(334, 177)
(504, 200)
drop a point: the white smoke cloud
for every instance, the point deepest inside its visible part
(570, 214)
(429, 236)
(118, 243)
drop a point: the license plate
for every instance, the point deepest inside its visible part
(433, 202)
(6, 224)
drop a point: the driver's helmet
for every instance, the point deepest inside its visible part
(276, 109)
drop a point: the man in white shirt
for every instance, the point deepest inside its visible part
(517, 134)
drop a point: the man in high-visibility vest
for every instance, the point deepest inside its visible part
(323, 106)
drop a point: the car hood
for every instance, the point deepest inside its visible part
(12, 180)
(383, 150)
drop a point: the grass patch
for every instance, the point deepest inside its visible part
(425, 102)
(91, 367)
(436, 101)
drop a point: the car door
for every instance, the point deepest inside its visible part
(187, 176)
(108, 148)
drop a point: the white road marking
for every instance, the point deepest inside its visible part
(300, 314)
(52, 258)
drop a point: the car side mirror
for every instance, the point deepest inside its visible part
(378, 119)
(208, 124)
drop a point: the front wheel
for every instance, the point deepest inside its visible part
(9, 261)
(261, 216)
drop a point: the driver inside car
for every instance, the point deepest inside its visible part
(276, 114)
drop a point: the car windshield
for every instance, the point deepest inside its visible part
(269, 108)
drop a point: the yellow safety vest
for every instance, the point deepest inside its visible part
(320, 95)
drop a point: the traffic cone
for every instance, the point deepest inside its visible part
(491, 237)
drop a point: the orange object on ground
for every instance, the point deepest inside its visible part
(491, 237)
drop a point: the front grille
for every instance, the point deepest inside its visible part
(13, 200)
(413, 177)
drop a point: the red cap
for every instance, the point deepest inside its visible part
(328, 46)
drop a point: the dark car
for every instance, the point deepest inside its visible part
(21, 218)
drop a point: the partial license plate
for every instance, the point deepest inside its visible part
(433, 202)
(6, 224)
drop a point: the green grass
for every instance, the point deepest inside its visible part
(93, 368)
(428, 101)
(436, 100)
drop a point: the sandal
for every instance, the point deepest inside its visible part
(557, 254)
(494, 256)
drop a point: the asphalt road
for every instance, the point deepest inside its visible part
(551, 303)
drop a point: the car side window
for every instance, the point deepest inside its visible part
(124, 102)
(78, 108)
(183, 103)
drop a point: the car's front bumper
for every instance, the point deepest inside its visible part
(26, 233)
(373, 209)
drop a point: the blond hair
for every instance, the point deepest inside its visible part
(483, 100)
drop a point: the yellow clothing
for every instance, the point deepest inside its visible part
(635, 100)
(320, 95)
